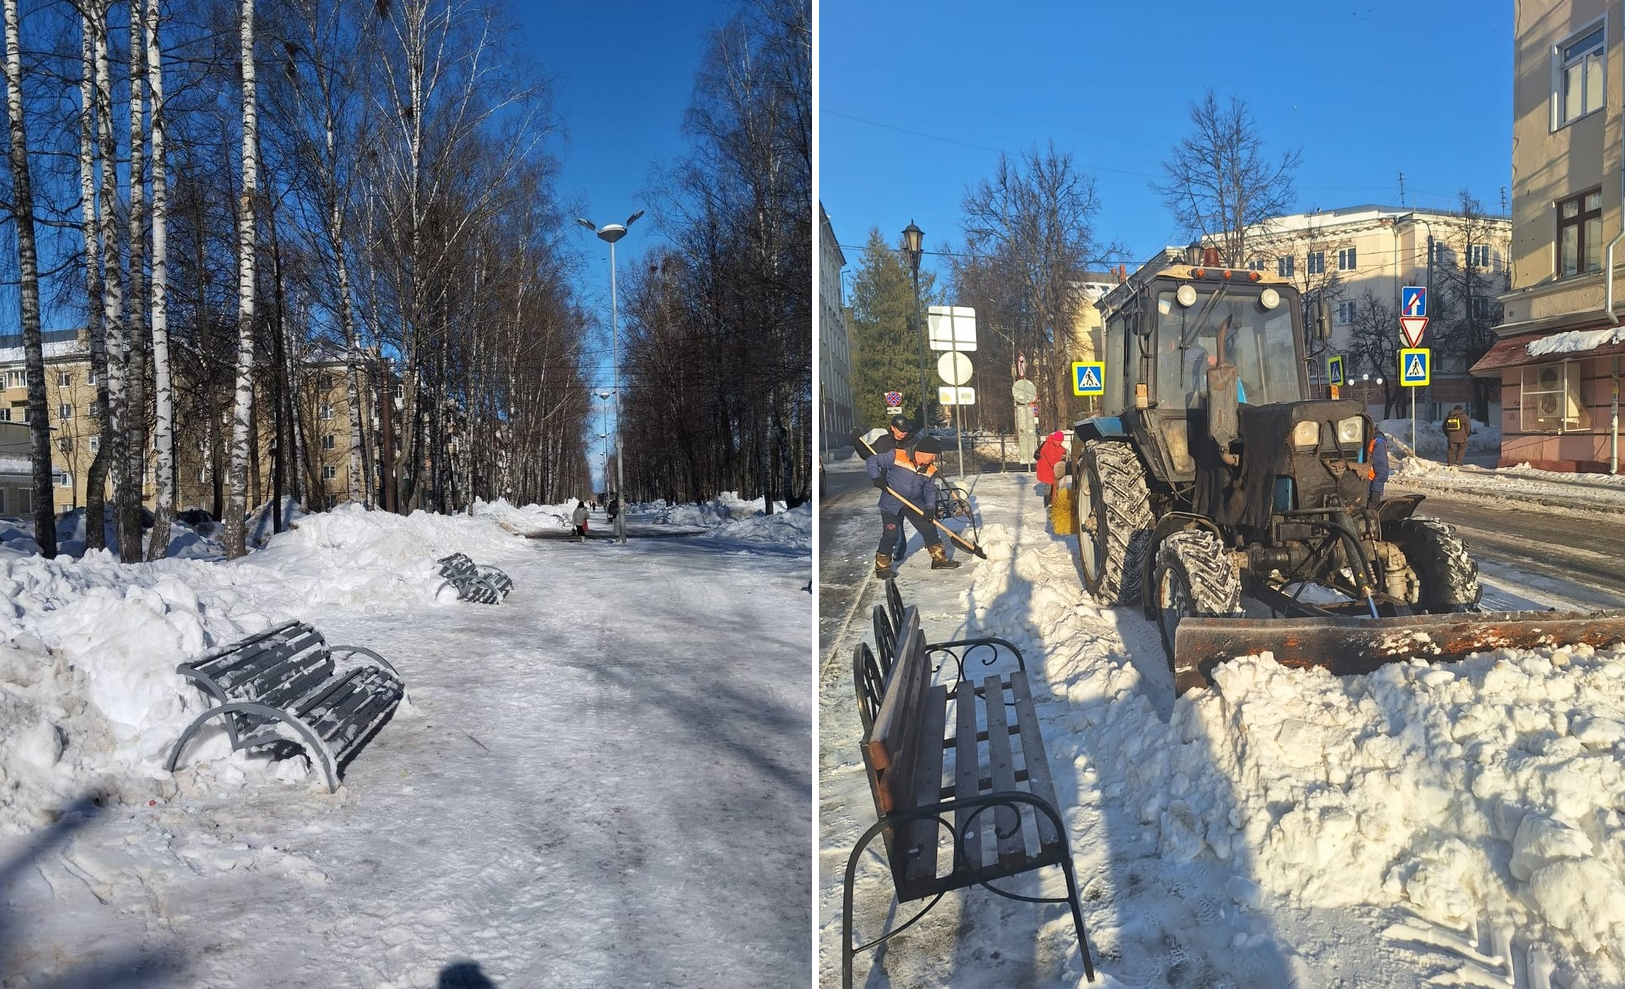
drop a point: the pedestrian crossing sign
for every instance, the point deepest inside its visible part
(1088, 378)
(1414, 367)
(1334, 369)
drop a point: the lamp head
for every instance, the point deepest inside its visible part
(611, 232)
(588, 224)
(633, 218)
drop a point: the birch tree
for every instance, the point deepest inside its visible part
(22, 212)
(243, 407)
(163, 399)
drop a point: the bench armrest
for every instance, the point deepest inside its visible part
(363, 651)
(963, 649)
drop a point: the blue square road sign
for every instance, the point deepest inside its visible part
(1414, 367)
(1088, 378)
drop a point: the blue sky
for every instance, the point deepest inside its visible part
(622, 77)
(917, 98)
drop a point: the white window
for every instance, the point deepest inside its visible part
(1345, 259)
(1577, 77)
(64, 379)
(64, 444)
(1283, 267)
(90, 376)
(329, 472)
(1549, 400)
(15, 379)
(64, 480)
(1345, 313)
(64, 411)
(1479, 256)
(327, 441)
(95, 443)
(5, 413)
(400, 392)
(327, 411)
(1257, 264)
(1317, 263)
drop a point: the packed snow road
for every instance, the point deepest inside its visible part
(601, 781)
(1421, 826)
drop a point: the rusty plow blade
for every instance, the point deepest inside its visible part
(1349, 646)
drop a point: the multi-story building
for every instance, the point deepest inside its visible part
(835, 414)
(70, 395)
(1559, 352)
(1358, 258)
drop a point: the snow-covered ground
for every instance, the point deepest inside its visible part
(1421, 826)
(601, 781)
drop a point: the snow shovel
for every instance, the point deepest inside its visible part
(951, 534)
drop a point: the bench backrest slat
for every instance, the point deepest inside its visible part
(894, 740)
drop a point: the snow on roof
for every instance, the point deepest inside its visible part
(1576, 341)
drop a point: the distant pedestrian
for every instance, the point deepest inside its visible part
(578, 518)
(1377, 458)
(1457, 427)
(1050, 455)
(908, 473)
(614, 507)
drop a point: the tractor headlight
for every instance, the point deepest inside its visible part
(1269, 298)
(1350, 431)
(1186, 294)
(1306, 435)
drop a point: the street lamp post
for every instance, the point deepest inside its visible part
(912, 236)
(610, 233)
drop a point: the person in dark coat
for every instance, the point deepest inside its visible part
(1457, 427)
(909, 471)
(899, 432)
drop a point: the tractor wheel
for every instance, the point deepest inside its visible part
(1194, 577)
(1448, 573)
(1114, 521)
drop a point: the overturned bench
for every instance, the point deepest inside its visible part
(286, 685)
(474, 582)
(941, 759)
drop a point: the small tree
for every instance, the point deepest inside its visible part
(885, 342)
(1464, 310)
(1374, 345)
(1221, 185)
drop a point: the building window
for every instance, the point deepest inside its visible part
(64, 412)
(1345, 313)
(1549, 401)
(5, 413)
(1577, 87)
(327, 441)
(15, 379)
(64, 444)
(64, 480)
(1478, 256)
(1283, 267)
(1345, 259)
(329, 472)
(95, 443)
(64, 379)
(1256, 264)
(90, 376)
(400, 392)
(1483, 308)
(327, 411)
(1317, 263)
(1579, 234)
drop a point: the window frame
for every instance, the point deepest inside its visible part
(329, 472)
(1568, 54)
(1344, 313)
(1284, 266)
(1316, 264)
(64, 379)
(1480, 256)
(64, 411)
(16, 377)
(1346, 259)
(329, 441)
(1580, 221)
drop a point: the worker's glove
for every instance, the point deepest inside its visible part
(879, 482)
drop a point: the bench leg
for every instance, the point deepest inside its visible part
(315, 746)
(848, 950)
(1077, 913)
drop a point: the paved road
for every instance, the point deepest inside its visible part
(1579, 551)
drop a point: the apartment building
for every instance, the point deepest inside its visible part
(1359, 257)
(70, 394)
(1559, 352)
(835, 412)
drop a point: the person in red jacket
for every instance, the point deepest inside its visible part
(1050, 454)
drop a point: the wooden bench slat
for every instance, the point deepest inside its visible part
(921, 838)
(967, 768)
(1035, 761)
(1002, 772)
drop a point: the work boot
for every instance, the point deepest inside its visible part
(939, 557)
(882, 566)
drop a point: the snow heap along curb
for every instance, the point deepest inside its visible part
(89, 698)
(1485, 789)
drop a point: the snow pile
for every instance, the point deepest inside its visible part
(88, 648)
(1484, 790)
(1576, 341)
(720, 510)
(1430, 439)
(791, 528)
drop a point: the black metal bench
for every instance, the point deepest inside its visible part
(986, 648)
(940, 758)
(474, 582)
(333, 698)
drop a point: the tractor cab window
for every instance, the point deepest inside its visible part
(1224, 322)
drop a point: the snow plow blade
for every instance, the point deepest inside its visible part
(1351, 646)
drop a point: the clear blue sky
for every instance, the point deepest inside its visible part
(917, 98)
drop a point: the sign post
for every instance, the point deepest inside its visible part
(955, 368)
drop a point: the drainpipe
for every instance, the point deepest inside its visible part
(1613, 425)
(1613, 319)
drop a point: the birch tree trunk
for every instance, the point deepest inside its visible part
(163, 399)
(91, 14)
(22, 213)
(127, 500)
(114, 439)
(244, 405)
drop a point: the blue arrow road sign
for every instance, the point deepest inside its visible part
(1414, 367)
(1088, 378)
(1413, 300)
